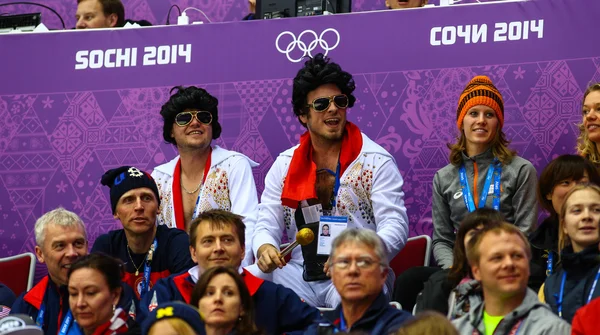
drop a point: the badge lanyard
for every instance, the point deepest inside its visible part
(336, 185)
(147, 267)
(562, 291)
(550, 263)
(494, 172)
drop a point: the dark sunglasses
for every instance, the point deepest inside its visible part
(184, 118)
(322, 104)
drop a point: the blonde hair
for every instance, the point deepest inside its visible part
(181, 327)
(499, 147)
(563, 239)
(585, 147)
(428, 323)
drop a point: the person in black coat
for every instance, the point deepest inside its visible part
(556, 180)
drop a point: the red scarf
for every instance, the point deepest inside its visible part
(176, 191)
(300, 181)
(116, 325)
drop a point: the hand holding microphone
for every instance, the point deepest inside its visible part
(303, 237)
(271, 259)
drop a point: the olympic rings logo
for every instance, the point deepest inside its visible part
(318, 40)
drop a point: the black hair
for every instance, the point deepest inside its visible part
(111, 268)
(316, 72)
(189, 98)
(564, 167)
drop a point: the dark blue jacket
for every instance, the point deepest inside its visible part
(277, 309)
(581, 269)
(172, 255)
(56, 302)
(379, 319)
(7, 297)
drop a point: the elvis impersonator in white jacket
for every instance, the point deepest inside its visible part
(370, 196)
(229, 186)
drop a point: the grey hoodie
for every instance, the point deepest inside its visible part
(537, 318)
(518, 203)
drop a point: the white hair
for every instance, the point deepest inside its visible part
(364, 236)
(60, 217)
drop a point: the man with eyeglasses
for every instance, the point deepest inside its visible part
(359, 269)
(336, 175)
(203, 176)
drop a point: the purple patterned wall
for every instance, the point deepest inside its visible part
(61, 128)
(156, 11)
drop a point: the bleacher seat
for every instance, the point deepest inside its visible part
(17, 272)
(416, 252)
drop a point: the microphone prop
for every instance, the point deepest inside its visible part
(303, 237)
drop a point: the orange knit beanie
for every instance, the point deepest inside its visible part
(480, 91)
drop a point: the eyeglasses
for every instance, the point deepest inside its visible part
(184, 118)
(322, 104)
(363, 263)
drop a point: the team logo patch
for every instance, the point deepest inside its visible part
(458, 194)
(135, 172)
(138, 286)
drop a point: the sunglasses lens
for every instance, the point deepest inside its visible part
(321, 104)
(183, 118)
(341, 101)
(204, 117)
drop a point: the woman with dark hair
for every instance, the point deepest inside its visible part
(224, 302)
(556, 180)
(483, 171)
(589, 128)
(95, 292)
(440, 286)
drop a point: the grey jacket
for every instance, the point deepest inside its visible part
(463, 297)
(537, 318)
(517, 199)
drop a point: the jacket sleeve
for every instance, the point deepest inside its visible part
(443, 230)
(294, 315)
(577, 327)
(554, 327)
(524, 200)
(244, 200)
(20, 306)
(270, 226)
(180, 259)
(387, 200)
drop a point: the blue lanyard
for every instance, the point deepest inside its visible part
(66, 324)
(494, 172)
(342, 321)
(562, 291)
(549, 263)
(336, 185)
(147, 267)
(197, 202)
(65, 327)
(39, 320)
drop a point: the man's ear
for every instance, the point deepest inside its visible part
(476, 273)
(112, 20)
(193, 254)
(38, 254)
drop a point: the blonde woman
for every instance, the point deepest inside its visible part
(575, 284)
(589, 129)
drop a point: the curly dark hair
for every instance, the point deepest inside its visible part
(189, 98)
(316, 72)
